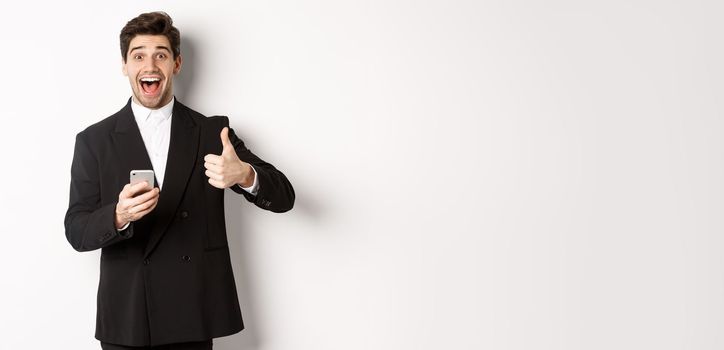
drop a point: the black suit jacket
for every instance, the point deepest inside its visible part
(168, 277)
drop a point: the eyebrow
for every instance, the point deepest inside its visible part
(143, 47)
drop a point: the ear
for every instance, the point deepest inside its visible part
(177, 64)
(124, 69)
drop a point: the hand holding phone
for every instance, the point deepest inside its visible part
(138, 198)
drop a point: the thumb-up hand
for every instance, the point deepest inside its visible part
(227, 169)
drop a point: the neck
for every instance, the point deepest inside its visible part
(161, 105)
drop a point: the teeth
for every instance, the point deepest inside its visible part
(150, 80)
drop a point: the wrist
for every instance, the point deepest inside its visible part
(247, 176)
(118, 221)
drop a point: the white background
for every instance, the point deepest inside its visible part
(469, 174)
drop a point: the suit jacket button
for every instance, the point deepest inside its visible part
(184, 214)
(146, 262)
(186, 258)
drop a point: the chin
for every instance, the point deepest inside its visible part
(152, 102)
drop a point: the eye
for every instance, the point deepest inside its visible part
(161, 56)
(137, 57)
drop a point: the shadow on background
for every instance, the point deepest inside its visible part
(184, 81)
(239, 232)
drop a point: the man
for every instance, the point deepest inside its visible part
(166, 280)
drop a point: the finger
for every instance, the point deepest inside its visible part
(125, 192)
(124, 204)
(147, 210)
(146, 195)
(217, 184)
(214, 175)
(213, 159)
(142, 206)
(213, 167)
(143, 197)
(122, 207)
(155, 204)
(135, 189)
(141, 214)
(225, 142)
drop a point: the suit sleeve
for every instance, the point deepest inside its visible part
(275, 191)
(88, 224)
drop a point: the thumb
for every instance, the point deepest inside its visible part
(225, 142)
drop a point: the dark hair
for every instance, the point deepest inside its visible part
(152, 23)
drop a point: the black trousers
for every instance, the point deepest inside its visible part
(198, 345)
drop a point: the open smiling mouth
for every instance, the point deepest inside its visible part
(150, 85)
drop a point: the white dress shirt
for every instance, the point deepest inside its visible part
(155, 127)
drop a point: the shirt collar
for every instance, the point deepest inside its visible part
(141, 113)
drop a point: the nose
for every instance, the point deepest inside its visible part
(149, 65)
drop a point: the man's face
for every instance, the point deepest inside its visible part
(150, 68)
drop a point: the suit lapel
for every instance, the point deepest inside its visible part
(127, 139)
(182, 151)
